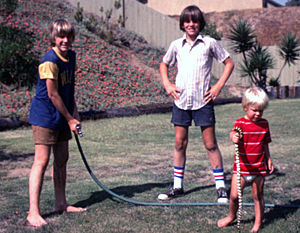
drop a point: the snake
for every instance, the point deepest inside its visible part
(238, 169)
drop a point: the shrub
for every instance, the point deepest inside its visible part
(17, 63)
(211, 30)
(8, 6)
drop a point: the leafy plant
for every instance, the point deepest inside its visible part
(211, 30)
(256, 66)
(79, 13)
(274, 82)
(256, 59)
(243, 36)
(118, 4)
(8, 6)
(289, 50)
(17, 63)
(92, 24)
(103, 27)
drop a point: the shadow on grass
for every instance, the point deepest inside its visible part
(124, 191)
(129, 192)
(13, 157)
(281, 212)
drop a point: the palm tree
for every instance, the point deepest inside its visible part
(289, 50)
(259, 62)
(243, 36)
(256, 60)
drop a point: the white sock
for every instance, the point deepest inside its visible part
(178, 176)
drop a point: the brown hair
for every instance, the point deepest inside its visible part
(61, 27)
(192, 13)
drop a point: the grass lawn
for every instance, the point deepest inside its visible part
(132, 156)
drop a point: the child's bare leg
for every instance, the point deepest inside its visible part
(61, 155)
(259, 204)
(181, 141)
(233, 206)
(233, 202)
(41, 159)
(211, 146)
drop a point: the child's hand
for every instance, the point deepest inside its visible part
(270, 166)
(211, 94)
(173, 91)
(234, 136)
(72, 124)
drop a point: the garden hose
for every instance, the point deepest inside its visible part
(78, 127)
(238, 178)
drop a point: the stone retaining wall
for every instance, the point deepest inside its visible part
(10, 123)
(283, 92)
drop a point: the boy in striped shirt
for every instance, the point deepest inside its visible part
(255, 161)
(194, 96)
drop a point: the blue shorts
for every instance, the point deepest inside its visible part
(204, 116)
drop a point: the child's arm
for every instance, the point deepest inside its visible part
(52, 87)
(268, 161)
(171, 88)
(216, 89)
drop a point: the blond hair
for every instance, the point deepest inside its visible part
(255, 96)
(61, 27)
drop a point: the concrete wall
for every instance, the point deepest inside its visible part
(174, 7)
(93, 6)
(157, 28)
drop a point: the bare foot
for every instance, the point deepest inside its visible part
(225, 221)
(70, 209)
(36, 220)
(255, 228)
(75, 209)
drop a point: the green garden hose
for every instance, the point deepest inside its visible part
(154, 203)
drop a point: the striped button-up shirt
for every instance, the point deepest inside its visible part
(194, 62)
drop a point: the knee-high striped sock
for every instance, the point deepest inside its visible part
(178, 176)
(219, 177)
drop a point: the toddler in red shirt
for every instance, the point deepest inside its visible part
(255, 161)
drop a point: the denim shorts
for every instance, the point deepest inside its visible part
(204, 116)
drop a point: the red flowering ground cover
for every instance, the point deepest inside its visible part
(105, 77)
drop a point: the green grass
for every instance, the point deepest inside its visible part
(132, 156)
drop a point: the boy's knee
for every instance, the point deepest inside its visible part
(234, 197)
(211, 147)
(61, 161)
(41, 163)
(180, 145)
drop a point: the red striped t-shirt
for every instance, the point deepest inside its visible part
(251, 146)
